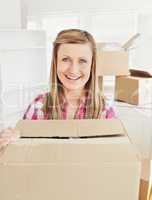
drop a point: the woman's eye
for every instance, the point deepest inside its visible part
(65, 59)
(83, 61)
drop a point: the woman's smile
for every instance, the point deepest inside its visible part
(72, 77)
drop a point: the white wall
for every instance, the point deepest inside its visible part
(40, 6)
(23, 72)
(10, 14)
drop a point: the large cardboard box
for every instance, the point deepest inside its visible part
(70, 159)
(114, 60)
(135, 89)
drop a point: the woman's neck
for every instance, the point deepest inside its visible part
(73, 96)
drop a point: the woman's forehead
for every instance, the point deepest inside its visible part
(81, 50)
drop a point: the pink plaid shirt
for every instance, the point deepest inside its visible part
(35, 110)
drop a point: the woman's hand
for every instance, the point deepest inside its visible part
(7, 136)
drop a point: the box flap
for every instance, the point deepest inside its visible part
(130, 41)
(108, 46)
(113, 46)
(70, 128)
(140, 73)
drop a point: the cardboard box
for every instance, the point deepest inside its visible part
(76, 159)
(145, 192)
(114, 61)
(150, 194)
(135, 89)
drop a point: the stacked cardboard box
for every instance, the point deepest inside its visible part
(131, 86)
(145, 192)
(70, 159)
(134, 89)
(113, 59)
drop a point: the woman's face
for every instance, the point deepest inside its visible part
(74, 65)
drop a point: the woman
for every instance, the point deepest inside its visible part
(73, 84)
(74, 91)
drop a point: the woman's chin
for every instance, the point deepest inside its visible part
(73, 87)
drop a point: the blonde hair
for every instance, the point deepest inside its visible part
(95, 102)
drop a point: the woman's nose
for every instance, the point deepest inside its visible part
(74, 67)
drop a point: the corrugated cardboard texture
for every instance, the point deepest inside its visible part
(69, 151)
(37, 182)
(70, 128)
(36, 169)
